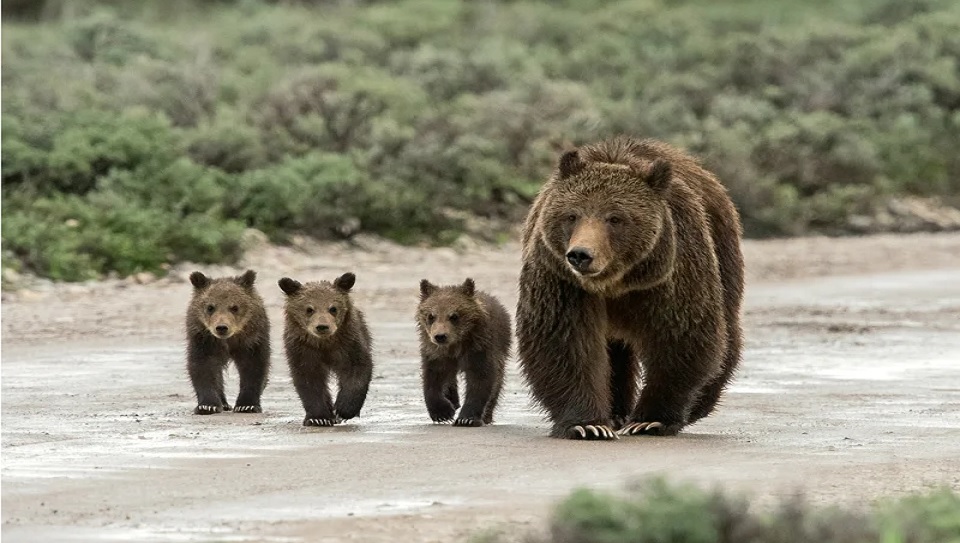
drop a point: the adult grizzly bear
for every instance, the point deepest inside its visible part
(631, 255)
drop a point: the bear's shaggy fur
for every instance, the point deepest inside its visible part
(226, 320)
(631, 259)
(325, 333)
(462, 330)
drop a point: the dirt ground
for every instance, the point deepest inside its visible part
(849, 390)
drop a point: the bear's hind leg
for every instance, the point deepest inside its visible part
(710, 394)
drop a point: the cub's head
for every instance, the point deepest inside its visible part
(318, 308)
(447, 315)
(601, 219)
(225, 305)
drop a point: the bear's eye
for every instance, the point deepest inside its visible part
(454, 317)
(430, 318)
(310, 310)
(211, 309)
(572, 217)
(333, 310)
(614, 220)
(234, 309)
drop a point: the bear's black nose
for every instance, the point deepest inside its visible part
(321, 328)
(222, 330)
(440, 338)
(579, 258)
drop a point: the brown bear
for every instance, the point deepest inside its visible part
(631, 258)
(462, 330)
(324, 334)
(226, 320)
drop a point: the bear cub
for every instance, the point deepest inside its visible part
(324, 334)
(226, 320)
(462, 330)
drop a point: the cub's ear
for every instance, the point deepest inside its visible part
(345, 282)
(426, 289)
(570, 164)
(468, 287)
(289, 286)
(247, 279)
(660, 174)
(199, 280)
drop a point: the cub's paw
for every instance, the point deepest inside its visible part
(649, 429)
(207, 409)
(468, 421)
(226, 407)
(591, 432)
(318, 422)
(247, 409)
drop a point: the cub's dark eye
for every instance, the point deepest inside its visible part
(211, 309)
(333, 310)
(572, 217)
(310, 310)
(234, 309)
(430, 318)
(614, 220)
(454, 317)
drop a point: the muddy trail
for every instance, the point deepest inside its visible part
(849, 390)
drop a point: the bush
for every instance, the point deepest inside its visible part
(404, 116)
(657, 512)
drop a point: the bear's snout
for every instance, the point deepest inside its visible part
(223, 330)
(440, 338)
(580, 258)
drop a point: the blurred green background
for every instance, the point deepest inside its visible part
(137, 134)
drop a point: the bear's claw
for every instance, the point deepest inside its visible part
(637, 428)
(592, 432)
(247, 409)
(207, 409)
(468, 422)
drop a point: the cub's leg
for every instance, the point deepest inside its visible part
(437, 374)
(252, 363)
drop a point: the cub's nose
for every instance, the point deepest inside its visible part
(580, 258)
(222, 330)
(322, 328)
(440, 338)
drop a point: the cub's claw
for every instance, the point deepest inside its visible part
(207, 409)
(468, 422)
(319, 422)
(247, 409)
(592, 432)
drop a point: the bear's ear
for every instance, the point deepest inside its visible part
(199, 280)
(468, 287)
(345, 282)
(570, 164)
(660, 174)
(426, 289)
(289, 286)
(247, 279)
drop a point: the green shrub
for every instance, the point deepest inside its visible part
(408, 116)
(657, 512)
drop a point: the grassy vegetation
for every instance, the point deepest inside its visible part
(657, 512)
(142, 133)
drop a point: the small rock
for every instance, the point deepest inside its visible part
(71, 223)
(11, 275)
(144, 278)
(31, 295)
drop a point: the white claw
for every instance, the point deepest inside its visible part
(579, 429)
(654, 425)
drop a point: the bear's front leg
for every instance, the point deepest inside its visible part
(205, 363)
(563, 354)
(481, 380)
(674, 374)
(437, 375)
(253, 364)
(354, 384)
